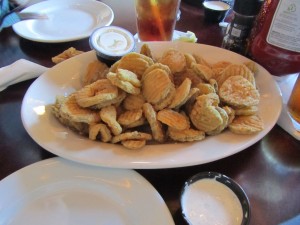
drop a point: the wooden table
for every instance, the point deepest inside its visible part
(269, 170)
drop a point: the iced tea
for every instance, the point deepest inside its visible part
(294, 101)
(156, 19)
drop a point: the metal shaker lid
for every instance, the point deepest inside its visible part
(247, 7)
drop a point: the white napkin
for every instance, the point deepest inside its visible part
(286, 85)
(18, 71)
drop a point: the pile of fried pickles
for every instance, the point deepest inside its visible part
(178, 97)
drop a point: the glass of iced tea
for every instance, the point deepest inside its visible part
(294, 102)
(156, 19)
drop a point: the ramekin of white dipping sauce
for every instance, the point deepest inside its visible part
(215, 11)
(210, 198)
(111, 43)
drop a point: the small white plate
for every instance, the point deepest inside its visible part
(64, 79)
(68, 20)
(57, 191)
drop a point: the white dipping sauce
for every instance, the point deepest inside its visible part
(210, 202)
(112, 41)
(216, 5)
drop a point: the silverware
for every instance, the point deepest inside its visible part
(16, 17)
(29, 15)
(23, 5)
(13, 16)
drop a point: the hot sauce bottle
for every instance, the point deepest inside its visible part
(274, 41)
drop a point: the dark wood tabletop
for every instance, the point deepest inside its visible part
(268, 171)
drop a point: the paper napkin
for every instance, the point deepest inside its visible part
(20, 70)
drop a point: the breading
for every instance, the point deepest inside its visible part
(173, 119)
(109, 115)
(238, 92)
(155, 125)
(246, 125)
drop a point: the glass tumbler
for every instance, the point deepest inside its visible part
(156, 19)
(293, 104)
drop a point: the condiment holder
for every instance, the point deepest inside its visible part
(215, 11)
(210, 197)
(111, 43)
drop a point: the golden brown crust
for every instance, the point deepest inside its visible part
(238, 92)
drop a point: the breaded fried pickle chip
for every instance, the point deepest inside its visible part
(155, 125)
(236, 70)
(190, 59)
(156, 85)
(128, 76)
(160, 66)
(246, 125)
(173, 119)
(133, 144)
(130, 116)
(96, 93)
(132, 102)
(66, 116)
(109, 115)
(246, 111)
(134, 135)
(205, 88)
(135, 62)
(100, 131)
(224, 124)
(123, 84)
(204, 114)
(218, 67)
(145, 50)
(71, 111)
(96, 70)
(200, 60)
(252, 66)
(69, 53)
(204, 72)
(186, 135)
(238, 92)
(163, 103)
(182, 93)
(188, 73)
(174, 59)
(115, 101)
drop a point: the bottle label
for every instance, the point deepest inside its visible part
(284, 31)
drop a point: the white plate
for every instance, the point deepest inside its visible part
(68, 20)
(64, 79)
(58, 191)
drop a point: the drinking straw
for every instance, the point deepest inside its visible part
(157, 16)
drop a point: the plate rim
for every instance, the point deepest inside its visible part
(37, 172)
(19, 32)
(157, 164)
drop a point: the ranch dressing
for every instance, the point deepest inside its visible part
(209, 202)
(112, 42)
(216, 5)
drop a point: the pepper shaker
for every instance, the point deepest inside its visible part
(238, 30)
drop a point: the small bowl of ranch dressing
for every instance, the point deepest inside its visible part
(111, 43)
(210, 198)
(215, 11)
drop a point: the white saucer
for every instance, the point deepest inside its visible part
(68, 20)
